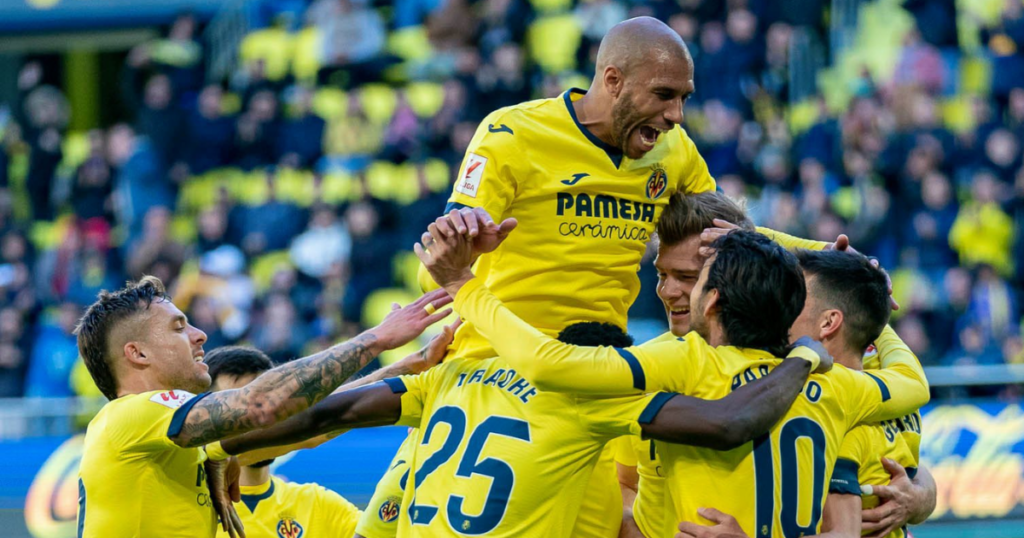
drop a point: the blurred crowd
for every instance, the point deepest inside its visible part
(280, 203)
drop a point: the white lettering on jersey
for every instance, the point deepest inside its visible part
(469, 183)
(172, 398)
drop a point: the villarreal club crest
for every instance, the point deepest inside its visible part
(289, 528)
(657, 183)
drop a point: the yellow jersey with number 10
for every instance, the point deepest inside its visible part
(585, 213)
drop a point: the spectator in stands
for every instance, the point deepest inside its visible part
(352, 37)
(46, 115)
(267, 227)
(258, 131)
(13, 349)
(301, 139)
(157, 115)
(94, 183)
(140, 181)
(212, 229)
(326, 242)
(983, 232)
(370, 267)
(210, 132)
(54, 354)
(280, 334)
(155, 252)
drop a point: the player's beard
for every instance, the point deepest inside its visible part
(625, 118)
(699, 323)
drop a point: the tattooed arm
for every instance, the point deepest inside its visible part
(290, 388)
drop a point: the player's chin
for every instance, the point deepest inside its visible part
(679, 324)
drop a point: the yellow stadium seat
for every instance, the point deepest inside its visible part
(802, 116)
(271, 45)
(975, 75)
(250, 188)
(553, 41)
(76, 150)
(378, 304)
(339, 187)
(230, 103)
(379, 101)
(46, 235)
(306, 54)
(263, 268)
(330, 103)
(406, 266)
(410, 43)
(439, 176)
(425, 98)
(957, 114)
(380, 179)
(295, 186)
(551, 6)
(183, 229)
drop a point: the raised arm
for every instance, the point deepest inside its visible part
(902, 385)
(295, 386)
(724, 424)
(364, 407)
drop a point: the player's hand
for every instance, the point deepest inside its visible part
(897, 503)
(824, 357)
(222, 481)
(447, 255)
(709, 235)
(477, 224)
(842, 244)
(403, 324)
(434, 352)
(725, 526)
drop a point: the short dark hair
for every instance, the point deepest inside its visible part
(690, 214)
(761, 290)
(849, 283)
(110, 310)
(237, 361)
(595, 333)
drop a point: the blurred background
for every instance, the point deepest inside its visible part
(273, 161)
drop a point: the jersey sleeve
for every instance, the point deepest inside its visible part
(608, 418)
(149, 422)
(624, 453)
(414, 390)
(898, 389)
(790, 242)
(337, 513)
(488, 175)
(544, 361)
(856, 445)
(696, 177)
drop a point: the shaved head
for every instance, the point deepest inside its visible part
(643, 77)
(639, 40)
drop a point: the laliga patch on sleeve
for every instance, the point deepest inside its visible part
(172, 398)
(469, 183)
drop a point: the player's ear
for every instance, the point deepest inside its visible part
(831, 322)
(613, 80)
(135, 354)
(710, 301)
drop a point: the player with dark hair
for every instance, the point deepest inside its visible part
(500, 458)
(749, 293)
(142, 470)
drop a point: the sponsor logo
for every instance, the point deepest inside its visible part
(172, 398)
(388, 511)
(501, 128)
(469, 183)
(289, 528)
(575, 179)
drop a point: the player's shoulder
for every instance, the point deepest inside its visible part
(507, 119)
(148, 404)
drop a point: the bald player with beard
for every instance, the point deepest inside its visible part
(584, 177)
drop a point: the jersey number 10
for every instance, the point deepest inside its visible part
(764, 479)
(500, 472)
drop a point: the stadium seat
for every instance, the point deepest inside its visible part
(379, 102)
(551, 6)
(330, 103)
(250, 188)
(410, 43)
(553, 41)
(406, 266)
(295, 186)
(271, 45)
(339, 187)
(263, 268)
(378, 304)
(425, 98)
(439, 176)
(306, 54)
(76, 150)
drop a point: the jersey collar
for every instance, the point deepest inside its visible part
(615, 154)
(252, 495)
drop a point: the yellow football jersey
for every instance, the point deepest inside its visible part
(585, 213)
(497, 457)
(909, 426)
(632, 451)
(281, 509)
(134, 481)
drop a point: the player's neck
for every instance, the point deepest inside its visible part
(136, 383)
(716, 335)
(849, 359)
(594, 117)
(254, 476)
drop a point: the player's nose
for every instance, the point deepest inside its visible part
(198, 336)
(674, 112)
